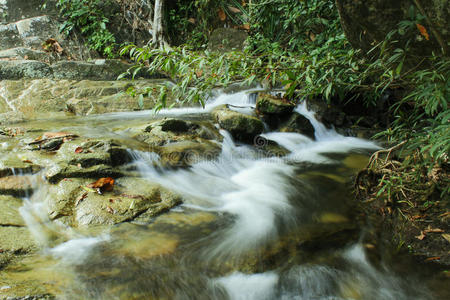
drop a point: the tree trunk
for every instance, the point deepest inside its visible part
(158, 29)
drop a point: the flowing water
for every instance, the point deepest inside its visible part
(251, 226)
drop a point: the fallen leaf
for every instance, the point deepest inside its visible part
(421, 236)
(234, 9)
(52, 45)
(81, 198)
(199, 73)
(433, 230)
(27, 161)
(110, 209)
(433, 258)
(79, 150)
(25, 57)
(191, 20)
(423, 31)
(104, 184)
(222, 15)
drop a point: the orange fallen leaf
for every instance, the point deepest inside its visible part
(104, 184)
(222, 15)
(78, 150)
(191, 20)
(423, 31)
(245, 26)
(27, 161)
(433, 258)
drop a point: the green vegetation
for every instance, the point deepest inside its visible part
(300, 46)
(89, 18)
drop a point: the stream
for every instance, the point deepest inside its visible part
(250, 226)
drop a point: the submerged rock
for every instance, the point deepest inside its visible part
(241, 126)
(61, 170)
(268, 104)
(186, 153)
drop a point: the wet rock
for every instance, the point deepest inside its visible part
(242, 127)
(268, 104)
(299, 124)
(62, 170)
(9, 36)
(93, 152)
(16, 69)
(16, 240)
(9, 212)
(227, 39)
(130, 198)
(171, 130)
(18, 168)
(18, 186)
(187, 153)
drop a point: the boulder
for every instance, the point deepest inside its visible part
(131, 197)
(100, 69)
(299, 124)
(227, 39)
(366, 23)
(268, 104)
(187, 153)
(241, 126)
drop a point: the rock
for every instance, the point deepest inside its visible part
(16, 69)
(242, 127)
(9, 212)
(19, 186)
(170, 130)
(366, 23)
(93, 152)
(18, 168)
(299, 124)
(268, 104)
(24, 53)
(61, 170)
(15, 10)
(130, 198)
(187, 153)
(227, 39)
(9, 36)
(16, 240)
(98, 70)
(39, 97)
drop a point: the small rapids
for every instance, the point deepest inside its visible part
(252, 225)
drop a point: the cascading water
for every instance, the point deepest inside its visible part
(257, 210)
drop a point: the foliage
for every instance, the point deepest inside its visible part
(88, 17)
(304, 51)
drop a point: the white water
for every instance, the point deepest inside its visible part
(260, 194)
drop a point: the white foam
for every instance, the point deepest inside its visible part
(241, 286)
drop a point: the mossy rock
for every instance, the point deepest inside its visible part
(268, 104)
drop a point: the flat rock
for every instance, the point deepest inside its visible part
(16, 69)
(131, 197)
(9, 211)
(62, 170)
(16, 240)
(19, 186)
